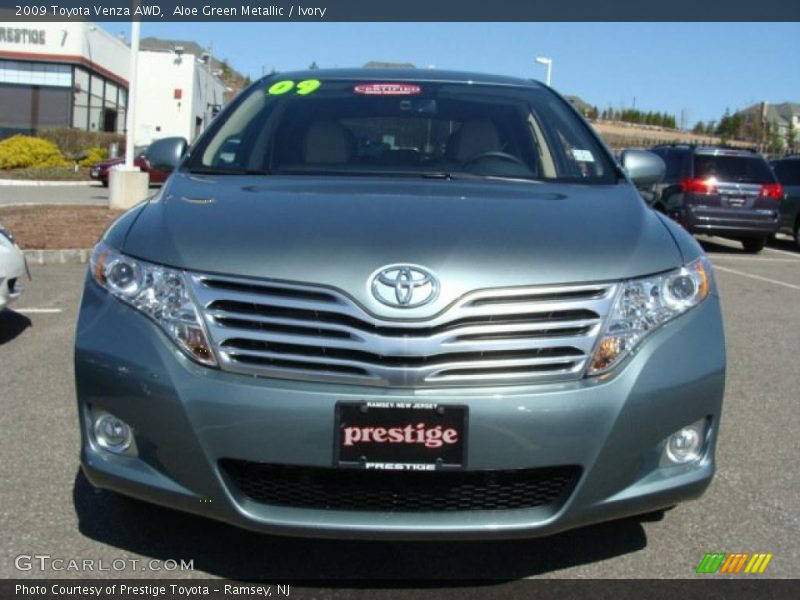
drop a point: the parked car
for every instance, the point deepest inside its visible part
(99, 171)
(787, 170)
(718, 190)
(12, 268)
(496, 338)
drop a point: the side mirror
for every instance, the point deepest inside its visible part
(166, 153)
(644, 168)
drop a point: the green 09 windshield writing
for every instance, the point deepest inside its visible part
(301, 88)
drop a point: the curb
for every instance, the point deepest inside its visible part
(58, 257)
(46, 204)
(38, 183)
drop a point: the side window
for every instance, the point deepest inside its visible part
(674, 166)
(787, 171)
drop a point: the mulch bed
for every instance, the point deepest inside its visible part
(52, 174)
(45, 227)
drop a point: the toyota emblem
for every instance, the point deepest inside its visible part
(404, 286)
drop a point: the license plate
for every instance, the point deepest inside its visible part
(400, 436)
(736, 201)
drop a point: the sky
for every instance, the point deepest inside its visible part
(702, 68)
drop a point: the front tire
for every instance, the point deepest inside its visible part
(797, 234)
(754, 245)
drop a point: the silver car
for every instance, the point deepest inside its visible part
(400, 304)
(12, 268)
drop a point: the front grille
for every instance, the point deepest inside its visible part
(487, 337)
(360, 490)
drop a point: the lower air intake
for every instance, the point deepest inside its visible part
(442, 491)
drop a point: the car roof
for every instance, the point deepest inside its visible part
(369, 74)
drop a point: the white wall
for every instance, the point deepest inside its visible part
(159, 113)
(26, 40)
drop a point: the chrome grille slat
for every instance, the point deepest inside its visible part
(487, 337)
(489, 328)
(559, 365)
(391, 346)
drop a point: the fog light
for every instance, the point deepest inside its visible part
(112, 434)
(685, 445)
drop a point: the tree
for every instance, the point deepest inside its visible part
(729, 125)
(699, 128)
(774, 140)
(791, 137)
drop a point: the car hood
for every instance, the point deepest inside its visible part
(110, 162)
(337, 231)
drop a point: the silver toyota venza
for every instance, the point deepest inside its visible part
(400, 304)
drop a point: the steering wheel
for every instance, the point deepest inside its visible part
(499, 155)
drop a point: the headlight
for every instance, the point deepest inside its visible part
(7, 234)
(159, 292)
(643, 305)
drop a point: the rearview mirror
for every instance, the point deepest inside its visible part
(642, 167)
(165, 154)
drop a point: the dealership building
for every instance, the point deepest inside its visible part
(76, 75)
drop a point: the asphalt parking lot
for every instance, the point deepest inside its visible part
(47, 507)
(93, 193)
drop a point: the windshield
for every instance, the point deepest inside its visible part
(435, 129)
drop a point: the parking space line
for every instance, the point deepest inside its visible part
(38, 311)
(795, 255)
(791, 286)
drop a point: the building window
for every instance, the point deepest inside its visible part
(80, 105)
(60, 95)
(28, 73)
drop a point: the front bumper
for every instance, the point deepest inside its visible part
(187, 417)
(733, 222)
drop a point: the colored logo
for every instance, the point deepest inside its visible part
(734, 563)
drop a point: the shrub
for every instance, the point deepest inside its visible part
(23, 151)
(75, 142)
(92, 156)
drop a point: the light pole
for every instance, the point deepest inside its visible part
(543, 60)
(127, 184)
(130, 121)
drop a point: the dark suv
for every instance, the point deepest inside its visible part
(717, 190)
(787, 170)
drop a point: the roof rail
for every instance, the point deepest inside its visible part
(752, 149)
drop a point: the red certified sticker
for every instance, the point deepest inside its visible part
(387, 89)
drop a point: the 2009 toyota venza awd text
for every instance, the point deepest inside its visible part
(400, 304)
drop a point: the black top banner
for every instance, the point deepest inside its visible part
(400, 10)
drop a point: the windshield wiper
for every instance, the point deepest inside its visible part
(463, 175)
(445, 175)
(218, 171)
